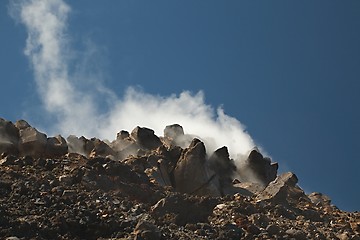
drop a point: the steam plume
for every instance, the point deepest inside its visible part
(66, 96)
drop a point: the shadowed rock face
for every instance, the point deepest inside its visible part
(188, 170)
(146, 138)
(192, 174)
(56, 146)
(130, 189)
(9, 137)
(264, 169)
(173, 131)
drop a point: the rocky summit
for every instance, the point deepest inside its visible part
(142, 186)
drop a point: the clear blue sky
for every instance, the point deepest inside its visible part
(288, 70)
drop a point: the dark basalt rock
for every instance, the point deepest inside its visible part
(264, 169)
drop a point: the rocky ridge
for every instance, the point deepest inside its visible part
(141, 186)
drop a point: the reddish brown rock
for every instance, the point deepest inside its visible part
(56, 146)
(192, 174)
(146, 138)
(31, 141)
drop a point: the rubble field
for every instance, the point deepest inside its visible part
(141, 186)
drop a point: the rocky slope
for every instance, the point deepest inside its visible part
(147, 187)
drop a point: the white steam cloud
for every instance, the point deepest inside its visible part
(73, 101)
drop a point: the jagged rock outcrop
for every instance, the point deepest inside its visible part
(92, 189)
(282, 189)
(124, 145)
(193, 175)
(173, 131)
(182, 211)
(9, 137)
(146, 138)
(259, 169)
(31, 141)
(56, 146)
(80, 145)
(224, 168)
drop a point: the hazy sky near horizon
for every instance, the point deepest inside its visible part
(287, 70)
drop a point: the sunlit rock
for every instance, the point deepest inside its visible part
(31, 142)
(192, 174)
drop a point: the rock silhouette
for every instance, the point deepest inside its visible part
(141, 186)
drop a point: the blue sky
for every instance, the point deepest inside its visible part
(287, 70)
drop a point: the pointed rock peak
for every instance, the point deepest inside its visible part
(255, 155)
(222, 153)
(146, 137)
(122, 135)
(173, 131)
(22, 124)
(194, 142)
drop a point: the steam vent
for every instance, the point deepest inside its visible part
(143, 186)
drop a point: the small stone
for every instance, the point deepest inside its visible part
(8, 160)
(38, 201)
(297, 234)
(66, 179)
(68, 193)
(273, 229)
(12, 238)
(251, 228)
(343, 236)
(147, 231)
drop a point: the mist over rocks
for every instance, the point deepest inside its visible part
(142, 186)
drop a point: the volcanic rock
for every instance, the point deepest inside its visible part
(146, 138)
(145, 230)
(31, 142)
(319, 199)
(101, 149)
(56, 146)
(163, 192)
(173, 131)
(181, 211)
(9, 137)
(281, 189)
(192, 174)
(122, 135)
(80, 145)
(265, 171)
(224, 167)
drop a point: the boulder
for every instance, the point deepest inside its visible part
(223, 166)
(281, 189)
(146, 230)
(182, 209)
(173, 131)
(9, 137)
(31, 142)
(159, 173)
(56, 146)
(146, 138)
(252, 188)
(264, 170)
(22, 124)
(192, 174)
(101, 148)
(319, 199)
(122, 135)
(124, 146)
(80, 145)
